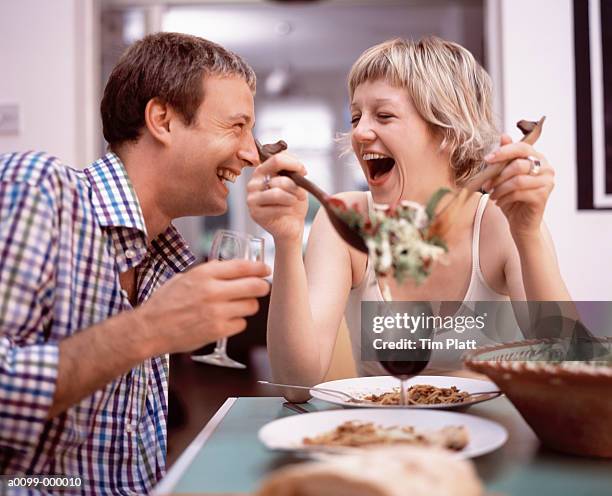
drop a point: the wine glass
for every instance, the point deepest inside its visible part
(406, 363)
(229, 245)
(406, 367)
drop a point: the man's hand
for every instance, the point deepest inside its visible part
(202, 305)
(197, 307)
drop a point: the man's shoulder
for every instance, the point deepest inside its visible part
(34, 168)
(39, 170)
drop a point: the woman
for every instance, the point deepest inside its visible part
(421, 120)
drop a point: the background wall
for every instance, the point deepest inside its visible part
(48, 66)
(49, 58)
(538, 79)
(48, 70)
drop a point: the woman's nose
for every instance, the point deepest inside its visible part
(363, 132)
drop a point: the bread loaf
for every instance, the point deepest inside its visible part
(389, 471)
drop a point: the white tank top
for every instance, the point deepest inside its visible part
(368, 290)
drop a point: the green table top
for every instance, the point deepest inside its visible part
(227, 457)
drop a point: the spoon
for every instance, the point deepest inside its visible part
(347, 233)
(443, 220)
(346, 396)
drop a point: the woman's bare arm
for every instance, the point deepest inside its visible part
(306, 306)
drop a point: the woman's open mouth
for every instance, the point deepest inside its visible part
(379, 166)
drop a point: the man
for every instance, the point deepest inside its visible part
(84, 332)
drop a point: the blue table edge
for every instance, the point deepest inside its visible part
(173, 476)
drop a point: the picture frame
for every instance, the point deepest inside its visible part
(593, 76)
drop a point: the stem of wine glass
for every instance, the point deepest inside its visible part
(403, 398)
(221, 346)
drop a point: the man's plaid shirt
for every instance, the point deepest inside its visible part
(65, 236)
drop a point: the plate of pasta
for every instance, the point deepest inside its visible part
(423, 391)
(349, 432)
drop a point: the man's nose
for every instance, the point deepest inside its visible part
(248, 154)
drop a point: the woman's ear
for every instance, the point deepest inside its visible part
(157, 120)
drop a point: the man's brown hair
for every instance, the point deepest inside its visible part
(168, 66)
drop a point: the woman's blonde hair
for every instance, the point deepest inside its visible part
(449, 89)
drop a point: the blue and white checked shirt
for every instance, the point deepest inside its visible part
(65, 236)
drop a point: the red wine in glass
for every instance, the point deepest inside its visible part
(413, 363)
(403, 368)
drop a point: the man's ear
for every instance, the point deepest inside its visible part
(157, 119)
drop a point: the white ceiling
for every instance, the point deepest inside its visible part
(324, 36)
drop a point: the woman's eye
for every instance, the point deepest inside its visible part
(354, 120)
(384, 116)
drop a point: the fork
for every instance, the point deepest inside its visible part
(342, 394)
(446, 218)
(346, 232)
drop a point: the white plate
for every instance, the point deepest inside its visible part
(287, 434)
(363, 386)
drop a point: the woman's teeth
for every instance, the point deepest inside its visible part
(373, 156)
(227, 175)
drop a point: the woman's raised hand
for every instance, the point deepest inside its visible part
(275, 202)
(522, 188)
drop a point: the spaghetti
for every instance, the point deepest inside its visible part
(421, 394)
(363, 434)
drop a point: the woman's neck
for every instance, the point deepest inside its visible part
(418, 184)
(421, 188)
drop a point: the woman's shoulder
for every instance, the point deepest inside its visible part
(358, 260)
(351, 199)
(494, 218)
(494, 225)
(495, 247)
(354, 199)
(495, 231)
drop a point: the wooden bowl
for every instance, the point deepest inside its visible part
(567, 404)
